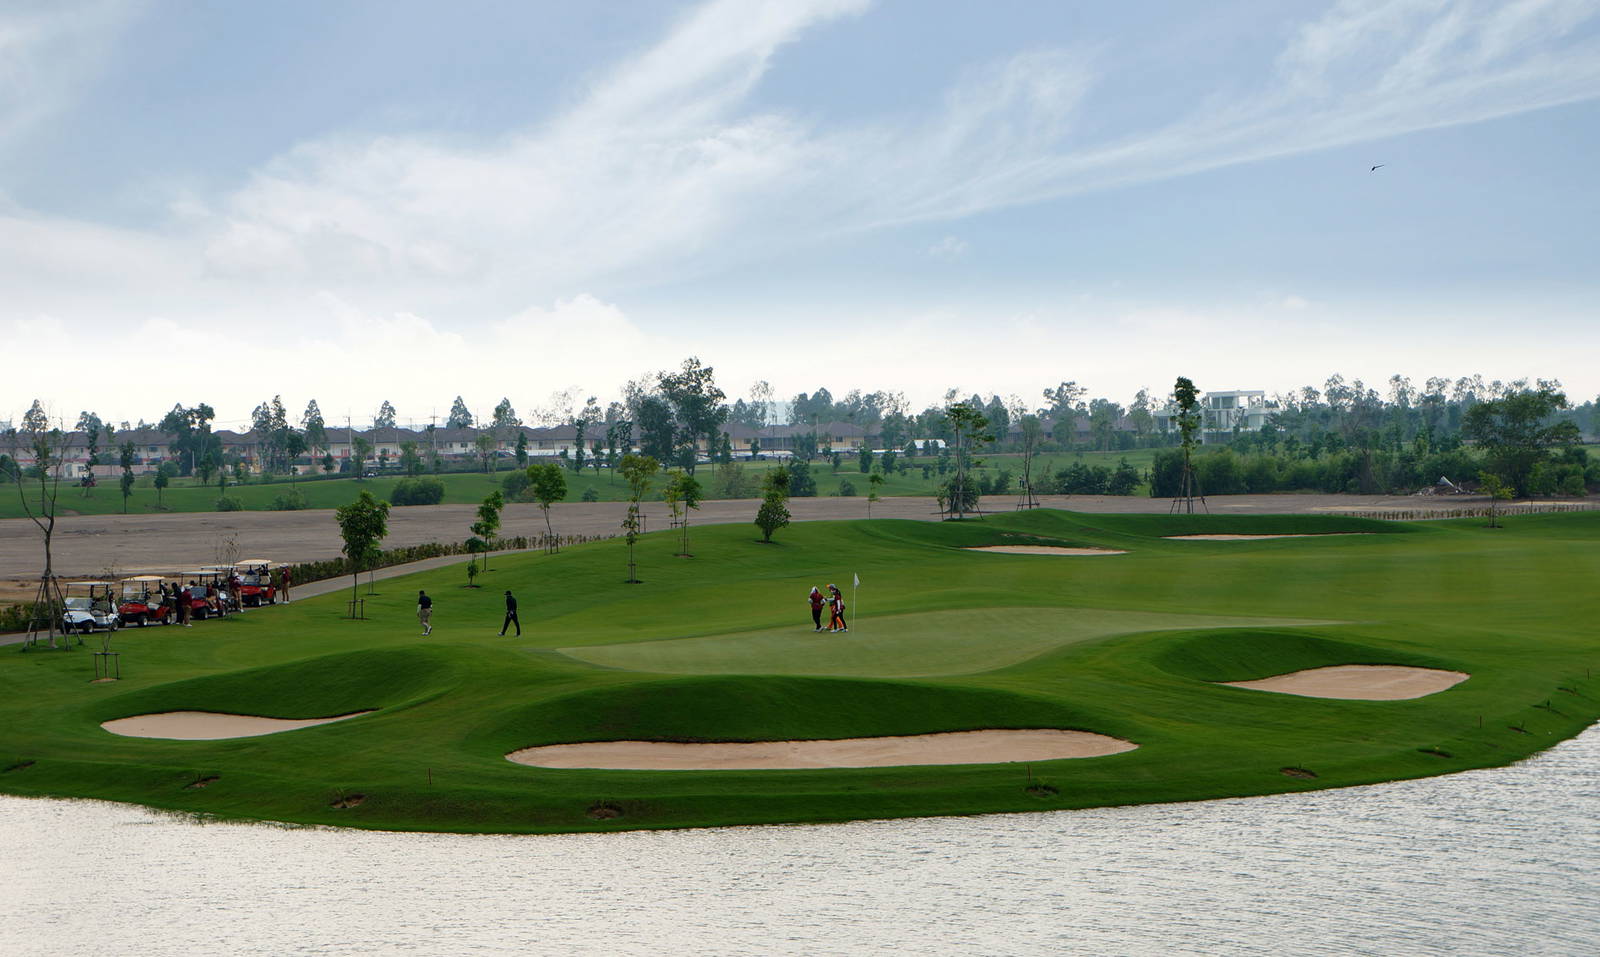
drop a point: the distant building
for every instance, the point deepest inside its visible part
(1222, 414)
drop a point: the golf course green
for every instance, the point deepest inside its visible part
(719, 647)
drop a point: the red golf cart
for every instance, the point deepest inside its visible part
(143, 602)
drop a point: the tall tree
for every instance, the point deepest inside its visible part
(638, 471)
(1518, 432)
(385, 417)
(363, 525)
(697, 408)
(1187, 400)
(316, 428)
(460, 415)
(192, 439)
(505, 417)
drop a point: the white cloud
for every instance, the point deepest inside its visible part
(949, 248)
(48, 50)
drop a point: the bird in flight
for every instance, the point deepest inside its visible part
(1378, 167)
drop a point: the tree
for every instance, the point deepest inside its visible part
(522, 449)
(328, 463)
(875, 482)
(549, 485)
(1187, 398)
(125, 459)
(460, 416)
(1518, 432)
(484, 444)
(363, 524)
(164, 473)
(1497, 491)
(638, 471)
(91, 426)
(270, 424)
(385, 417)
(316, 430)
(487, 527)
(657, 431)
(589, 416)
(864, 460)
(410, 459)
(48, 446)
(193, 439)
(696, 406)
(970, 429)
(360, 449)
(294, 447)
(684, 495)
(801, 483)
(774, 511)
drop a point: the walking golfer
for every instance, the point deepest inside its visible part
(511, 615)
(816, 607)
(425, 612)
(836, 608)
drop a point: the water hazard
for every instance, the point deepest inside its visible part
(1502, 861)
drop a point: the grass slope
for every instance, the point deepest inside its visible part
(720, 647)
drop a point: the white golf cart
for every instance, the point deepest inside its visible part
(90, 606)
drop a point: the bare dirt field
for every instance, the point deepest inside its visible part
(98, 545)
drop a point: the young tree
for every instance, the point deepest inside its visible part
(685, 496)
(875, 482)
(363, 525)
(164, 473)
(484, 444)
(410, 459)
(487, 527)
(1497, 491)
(549, 486)
(522, 449)
(91, 427)
(864, 460)
(48, 446)
(125, 459)
(328, 463)
(1187, 398)
(360, 449)
(638, 471)
(774, 511)
(970, 429)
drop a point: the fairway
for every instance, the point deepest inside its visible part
(955, 642)
(719, 648)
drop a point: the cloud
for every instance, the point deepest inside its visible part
(48, 50)
(948, 249)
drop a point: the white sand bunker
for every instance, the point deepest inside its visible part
(210, 726)
(1042, 550)
(1359, 682)
(1252, 538)
(955, 747)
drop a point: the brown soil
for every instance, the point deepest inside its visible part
(1251, 538)
(1359, 682)
(202, 783)
(604, 811)
(958, 747)
(348, 801)
(90, 545)
(1301, 773)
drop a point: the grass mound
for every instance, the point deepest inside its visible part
(775, 709)
(1240, 655)
(312, 688)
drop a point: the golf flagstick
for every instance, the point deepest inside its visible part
(856, 583)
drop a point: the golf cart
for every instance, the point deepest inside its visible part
(255, 583)
(90, 606)
(201, 605)
(220, 578)
(144, 602)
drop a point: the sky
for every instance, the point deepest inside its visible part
(409, 201)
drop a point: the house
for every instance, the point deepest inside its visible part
(1223, 413)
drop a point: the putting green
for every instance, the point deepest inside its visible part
(956, 642)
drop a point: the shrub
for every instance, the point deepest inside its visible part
(590, 494)
(514, 484)
(1573, 485)
(292, 501)
(229, 503)
(417, 491)
(846, 489)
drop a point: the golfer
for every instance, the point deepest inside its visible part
(288, 577)
(511, 615)
(425, 612)
(817, 602)
(836, 607)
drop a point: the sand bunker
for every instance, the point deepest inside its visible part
(1252, 538)
(1359, 682)
(1043, 550)
(956, 747)
(210, 726)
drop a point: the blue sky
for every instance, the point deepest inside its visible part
(356, 202)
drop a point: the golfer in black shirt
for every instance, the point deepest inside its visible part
(511, 616)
